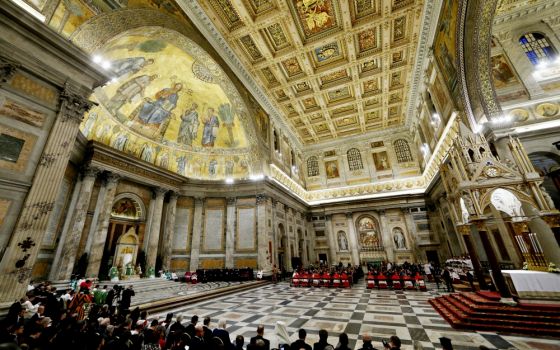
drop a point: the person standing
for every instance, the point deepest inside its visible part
(188, 130)
(448, 280)
(126, 298)
(470, 278)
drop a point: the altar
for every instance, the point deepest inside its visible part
(533, 286)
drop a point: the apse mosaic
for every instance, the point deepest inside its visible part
(170, 104)
(444, 43)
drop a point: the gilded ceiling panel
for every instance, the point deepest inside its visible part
(315, 19)
(329, 59)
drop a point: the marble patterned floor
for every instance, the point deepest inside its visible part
(406, 314)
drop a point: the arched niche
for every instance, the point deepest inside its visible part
(342, 241)
(126, 249)
(399, 238)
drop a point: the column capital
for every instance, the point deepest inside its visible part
(173, 195)
(112, 178)
(328, 217)
(91, 171)
(159, 192)
(198, 200)
(231, 200)
(7, 70)
(349, 215)
(73, 106)
(261, 198)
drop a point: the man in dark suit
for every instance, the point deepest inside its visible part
(300, 343)
(259, 336)
(322, 343)
(207, 331)
(190, 328)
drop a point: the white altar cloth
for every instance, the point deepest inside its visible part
(534, 284)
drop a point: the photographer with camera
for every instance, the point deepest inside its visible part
(394, 343)
(126, 298)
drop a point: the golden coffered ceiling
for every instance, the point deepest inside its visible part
(334, 68)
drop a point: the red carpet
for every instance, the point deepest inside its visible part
(482, 311)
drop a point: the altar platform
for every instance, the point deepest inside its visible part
(533, 286)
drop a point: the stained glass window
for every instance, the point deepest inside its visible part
(537, 47)
(354, 159)
(312, 166)
(402, 150)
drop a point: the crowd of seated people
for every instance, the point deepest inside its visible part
(326, 277)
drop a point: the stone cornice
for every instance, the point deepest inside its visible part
(204, 24)
(524, 11)
(431, 12)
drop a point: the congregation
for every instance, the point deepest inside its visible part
(97, 318)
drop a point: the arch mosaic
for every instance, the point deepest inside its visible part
(128, 206)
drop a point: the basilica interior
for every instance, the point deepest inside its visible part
(176, 135)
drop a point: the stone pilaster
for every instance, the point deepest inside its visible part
(169, 230)
(386, 235)
(230, 231)
(21, 253)
(263, 263)
(152, 250)
(69, 247)
(329, 232)
(353, 239)
(102, 225)
(197, 232)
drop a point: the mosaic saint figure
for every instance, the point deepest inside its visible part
(156, 112)
(181, 164)
(226, 116)
(188, 130)
(130, 65)
(210, 131)
(129, 91)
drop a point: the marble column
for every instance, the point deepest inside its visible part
(498, 278)
(264, 256)
(353, 240)
(68, 220)
(21, 253)
(386, 236)
(69, 247)
(329, 232)
(287, 248)
(102, 225)
(477, 267)
(155, 227)
(197, 232)
(230, 231)
(169, 230)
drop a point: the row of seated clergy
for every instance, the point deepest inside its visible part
(395, 281)
(325, 279)
(213, 275)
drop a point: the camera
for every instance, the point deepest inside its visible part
(385, 343)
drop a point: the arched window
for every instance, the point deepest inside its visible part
(537, 48)
(312, 166)
(402, 150)
(354, 159)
